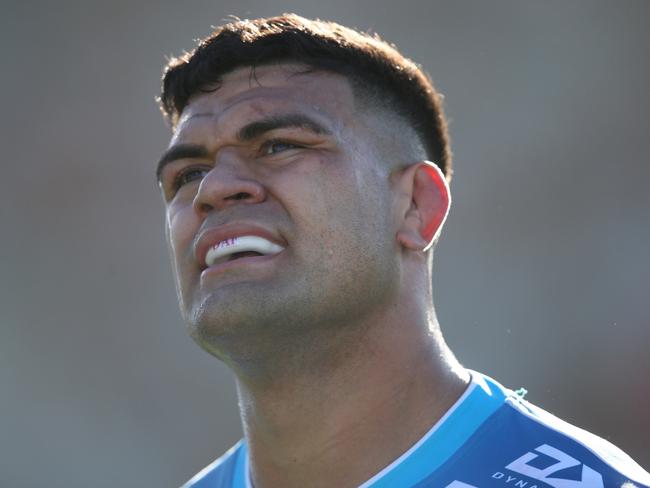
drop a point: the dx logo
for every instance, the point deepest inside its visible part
(589, 478)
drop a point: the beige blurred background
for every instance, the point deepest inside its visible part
(542, 278)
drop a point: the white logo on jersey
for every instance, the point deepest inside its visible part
(589, 478)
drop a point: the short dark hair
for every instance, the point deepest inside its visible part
(371, 64)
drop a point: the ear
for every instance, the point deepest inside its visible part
(424, 205)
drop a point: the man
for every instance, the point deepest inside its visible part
(305, 185)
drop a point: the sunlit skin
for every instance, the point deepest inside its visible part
(334, 341)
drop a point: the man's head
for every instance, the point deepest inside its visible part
(297, 202)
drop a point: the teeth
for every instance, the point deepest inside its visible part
(240, 244)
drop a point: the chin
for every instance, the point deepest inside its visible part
(232, 322)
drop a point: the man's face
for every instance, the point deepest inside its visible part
(278, 212)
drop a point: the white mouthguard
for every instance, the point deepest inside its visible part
(240, 244)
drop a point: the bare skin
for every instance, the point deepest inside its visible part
(334, 341)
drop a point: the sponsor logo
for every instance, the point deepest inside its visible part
(589, 478)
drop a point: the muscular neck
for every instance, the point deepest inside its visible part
(378, 399)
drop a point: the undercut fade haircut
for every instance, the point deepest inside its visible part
(374, 68)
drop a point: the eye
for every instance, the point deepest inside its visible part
(188, 175)
(274, 147)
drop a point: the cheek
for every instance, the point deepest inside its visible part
(181, 227)
(359, 215)
(336, 219)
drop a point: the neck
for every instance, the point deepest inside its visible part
(378, 398)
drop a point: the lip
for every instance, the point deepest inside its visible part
(214, 236)
(220, 268)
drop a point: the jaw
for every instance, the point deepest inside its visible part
(272, 331)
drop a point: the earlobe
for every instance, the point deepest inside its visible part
(428, 193)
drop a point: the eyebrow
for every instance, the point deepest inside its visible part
(259, 127)
(247, 133)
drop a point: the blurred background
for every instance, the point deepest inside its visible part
(542, 278)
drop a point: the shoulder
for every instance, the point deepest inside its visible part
(570, 445)
(525, 444)
(222, 472)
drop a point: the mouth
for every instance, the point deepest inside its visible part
(240, 247)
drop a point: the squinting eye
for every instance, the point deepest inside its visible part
(274, 147)
(188, 175)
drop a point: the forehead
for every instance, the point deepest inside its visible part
(246, 94)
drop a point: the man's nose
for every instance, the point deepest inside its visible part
(229, 182)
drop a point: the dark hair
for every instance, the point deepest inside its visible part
(372, 66)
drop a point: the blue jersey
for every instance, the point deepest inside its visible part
(490, 438)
